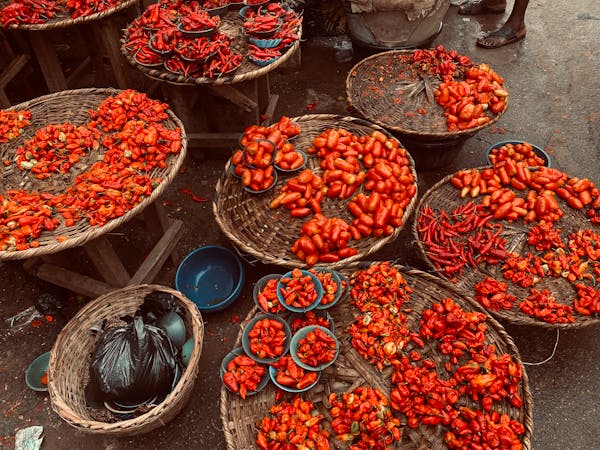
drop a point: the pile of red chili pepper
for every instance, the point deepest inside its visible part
(243, 375)
(267, 338)
(317, 348)
(12, 124)
(362, 418)
(20, 12)
(331, 288)
(517, 152)
(291, 375)
(491, 294)
(267, 297)
(294, 424)
(465, 237)
(134, 143)
(298, 290)
(309, 318)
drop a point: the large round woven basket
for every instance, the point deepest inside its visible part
(350, 371)
(231, 25)
(73, 106)
(268, 234)
(70, 360)
(444, 196)
(63, 20)
(374, 89)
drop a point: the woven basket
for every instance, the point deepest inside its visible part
(231, 25)
(64, 20)
(70, 360)
(350, 371)
(73, 106)
(372, 89)
(444, 196)
(267, 234)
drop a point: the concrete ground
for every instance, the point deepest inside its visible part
(553, 78)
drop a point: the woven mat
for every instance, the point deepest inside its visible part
(373, 89)
(445, 196)
(73, 106)
(231, 25)
(350, 371)
(267, 234)
(63, 21)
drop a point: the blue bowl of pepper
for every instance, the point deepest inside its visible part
(211, 276)
(263, 62)
(273, 372)
(246, 345)
(297, 344)
(238, 351)
(282, 286)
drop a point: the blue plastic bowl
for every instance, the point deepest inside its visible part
(341, 292)
(300, 334)
(35, 371)
(318, 312)
(246, 338)
(210, 276)
(304, 157)
(232, 354)
(318, 288)
(537, 150)
(273, 374)
(259, 286)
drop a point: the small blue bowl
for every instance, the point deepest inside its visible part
(210, 276)
(268, 188)
(300, 334)
(304, 158)
(246, 338)
(264, 43)
(259, 286)
(35, 372)
(273, 374)
(537, 150)
(318, 288)
(336, 277)
(263, 62)
(232, 354)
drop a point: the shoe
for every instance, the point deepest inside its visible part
(479, 7)
(503, 36)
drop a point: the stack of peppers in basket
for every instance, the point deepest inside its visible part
(127, 128)
(26, 12)
(517, 188)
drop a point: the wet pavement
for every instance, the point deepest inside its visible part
(553, 79)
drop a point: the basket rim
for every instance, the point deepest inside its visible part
(408, 132)
(273, 259)
(63, 22)
(456, 293)
(171, 400)
(163, 75)
(94, 232)
(513, 317)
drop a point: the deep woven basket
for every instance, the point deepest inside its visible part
(231, 25)
(64, 21)
(444, 196)
(73, 106)
(70, 360)
(376, 98)
(350, 371)
(268, 234)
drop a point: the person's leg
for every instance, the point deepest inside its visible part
(483, 7)
(512, 30)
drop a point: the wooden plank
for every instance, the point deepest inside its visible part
(12, 70)
(181, 99)
(110, 36)
(235, 96)
(270, 110)
(47, 58)
(72, 281)
(107, 262)
(79, 70)
(263, 93)
(4, 100)
(157, 223)
(159, 254)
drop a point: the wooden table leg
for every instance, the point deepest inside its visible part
(48, 60)
(157, 223)
(110, 36)
(107, 262)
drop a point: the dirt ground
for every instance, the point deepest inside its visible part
(552, 77)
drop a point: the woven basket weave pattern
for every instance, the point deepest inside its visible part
(70, 360)
(350, 371)
(268, 234)
(73, 106)
(444, 196)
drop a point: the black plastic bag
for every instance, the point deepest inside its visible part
(134, 363)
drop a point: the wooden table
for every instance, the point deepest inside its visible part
(102, 33)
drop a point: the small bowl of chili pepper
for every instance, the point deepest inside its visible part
(266, 338)
(262, 26)
(36, 375)
(147, 57)
(265, 294)
(334, 286)
(290, 377)
(290, 161)
(216, 10)
(243, 375)
(264, 43)
(259, 153)
(259, 181)
(200, 24)
(314, 347)
(299, 290)
(314, 317)
(256, 3)
(517, 150)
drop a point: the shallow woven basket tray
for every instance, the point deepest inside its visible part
(443, 195)
(268, 234)
(63, 21)
(73, 106)
(231, 25)
(70, 360)
(350, 371)
(372, 89)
